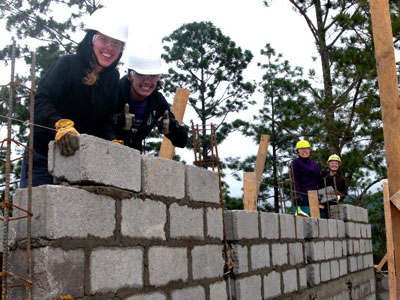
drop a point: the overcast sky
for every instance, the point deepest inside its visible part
(249, 23)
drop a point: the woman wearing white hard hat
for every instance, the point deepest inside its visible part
(78, 94)
(140, 104)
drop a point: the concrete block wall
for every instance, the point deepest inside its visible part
(279, 256)
(120, 225)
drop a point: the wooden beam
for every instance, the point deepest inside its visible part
(178, 108)
(389, 240)
(395, 199)
(261, 157)
(382, 263)
(314, 205)
(249, 191)
(389, 97)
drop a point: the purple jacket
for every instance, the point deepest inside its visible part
(306, 175)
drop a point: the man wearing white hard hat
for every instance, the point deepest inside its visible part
(141, 106)
(78, 94)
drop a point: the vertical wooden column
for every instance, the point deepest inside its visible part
(314, 205)
(249, 191)
(178, 108)
(261, 157)
(389, 97)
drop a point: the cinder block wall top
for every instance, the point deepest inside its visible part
(120, 225)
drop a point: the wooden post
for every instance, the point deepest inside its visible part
(260, 162)
(389, 241)
(249, 191)
(178, 108)
(314, 205)
(389, 96)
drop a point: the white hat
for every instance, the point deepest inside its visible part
(144, 59)
(109, 23)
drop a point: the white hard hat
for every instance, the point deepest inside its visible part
(109, 23)
(144, 59)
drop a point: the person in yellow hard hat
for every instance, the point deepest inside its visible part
(78, 94)
(141, 106)
(332, 178)
(306, 175)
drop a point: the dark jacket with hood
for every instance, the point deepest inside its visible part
(337, 181)
(156, 106)
(61, 94)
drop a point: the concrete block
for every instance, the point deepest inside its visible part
(207, 261)
(343, 267)
(115, 268)
(356, 246)
(241, 224)
(49, 269)
(360, 262)
(335, 272)
(369, 234)
(311, 228)
(368, 261)
(357, 228)
(303, 278)
(214, 223)
(329, 250)
(325, 271)
(299, 228)
(350, 247)
(143, 218)
(363, 246)
(167, 264)
(272, 285)
(65, 212)
(260, 256)
(350, 230)
(247, 288)
(99, 162)
(152, 296)
(218, 290)
(296, 253)
(365, 216)
(315, 251)
(269, 225)
(336, 212)
(341, 229)
(352, 264)
(186, 222)
(333, 228)
(323, 228)
(196, 179)
(313, 274)
(279, 255)
(240, 259)
(344, 246)
(338, 248)
(196, 292)
(163, 177)
(289, 278)
(288, 229)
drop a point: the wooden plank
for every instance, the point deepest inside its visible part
(314, 205)
(389, 97)
(382, 263)
(261, 157)
(249, 191)
(389, 240)
(178, 108)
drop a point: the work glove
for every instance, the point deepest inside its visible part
(124, 120)
(121, 142)
(67, 137)
(166, 122)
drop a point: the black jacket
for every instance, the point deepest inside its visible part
(156, 106)
(341, 185)
(61, 94)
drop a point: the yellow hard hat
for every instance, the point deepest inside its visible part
(334, 157)
(303, 144)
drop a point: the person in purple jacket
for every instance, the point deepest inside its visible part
(306, 175)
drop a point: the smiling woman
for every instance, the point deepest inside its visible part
(78, 94)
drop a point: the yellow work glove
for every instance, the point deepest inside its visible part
(163, 122)
(121, 142)
(67, 137)
(129, 118)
